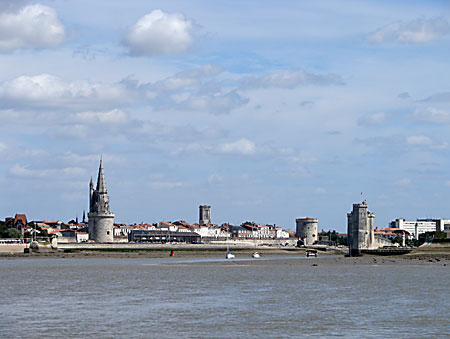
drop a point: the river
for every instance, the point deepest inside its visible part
(214, 298)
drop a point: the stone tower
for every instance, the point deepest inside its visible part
(307, 230)
(101, 220)
(360, 229)
(205, 215)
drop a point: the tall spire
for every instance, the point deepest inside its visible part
(101, 185)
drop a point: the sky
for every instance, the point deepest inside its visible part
(266, 110)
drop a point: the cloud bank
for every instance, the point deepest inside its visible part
(49, 91)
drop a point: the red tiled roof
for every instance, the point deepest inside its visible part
(21, 217)
(386, 233)
(390, 229)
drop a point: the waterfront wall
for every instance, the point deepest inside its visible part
(212, 246)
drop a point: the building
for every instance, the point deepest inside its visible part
(420, 226)
(163, 236)
(360, 229)
(19, 222)
(71, 236)
(239, 232)
(205, 215)
(101, 220)
(307, 230)
(447, 230)
(389, 233)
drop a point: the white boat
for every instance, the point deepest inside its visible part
(229, 255)
(256, 255)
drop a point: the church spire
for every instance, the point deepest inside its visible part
(101, 185)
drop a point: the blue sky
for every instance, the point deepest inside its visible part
(268, 111)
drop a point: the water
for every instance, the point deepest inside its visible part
(210, 298)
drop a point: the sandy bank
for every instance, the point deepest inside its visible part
(274, 256)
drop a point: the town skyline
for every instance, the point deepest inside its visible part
(204, 216)
(267, 112)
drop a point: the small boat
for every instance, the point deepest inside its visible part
(229, 255)
(311, 253)
(256, 255)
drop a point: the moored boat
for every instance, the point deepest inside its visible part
(229, 255)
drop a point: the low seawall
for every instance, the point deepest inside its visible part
(14, 248)
(156, 247)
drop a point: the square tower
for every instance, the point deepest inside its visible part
(205, 215)
(360, 229)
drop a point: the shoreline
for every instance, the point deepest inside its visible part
(431, 256)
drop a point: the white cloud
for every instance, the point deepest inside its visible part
(241, 146)
(432, 114)
(419, 140)
(159, 33)
(45, 90)
(412, 32)
(75, 158)
(185, 79)
(214, 103)
(290, 79)
(113, 117)
(3, 147)
(33, 26)
(372, 119)
(68, 172)
(441, 146)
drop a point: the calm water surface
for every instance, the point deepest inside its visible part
(172, 298)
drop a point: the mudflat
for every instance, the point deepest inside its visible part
(435, 256)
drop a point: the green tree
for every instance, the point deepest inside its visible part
(440, 235)
(13, 233)
(397, 240)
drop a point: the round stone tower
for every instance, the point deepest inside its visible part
(307, 230)
(101, 220)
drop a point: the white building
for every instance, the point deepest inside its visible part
(441, 224)
(71, 236)
(417, 227)
(281, 234)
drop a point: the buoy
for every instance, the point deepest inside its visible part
(172, 253)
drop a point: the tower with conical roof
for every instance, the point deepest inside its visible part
(101, 220)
